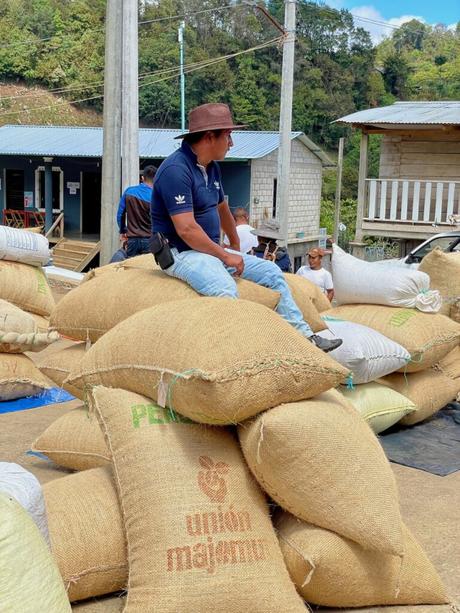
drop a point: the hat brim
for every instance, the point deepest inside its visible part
(210, 128)
(267, 234)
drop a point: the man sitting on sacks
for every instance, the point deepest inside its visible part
(188, 209)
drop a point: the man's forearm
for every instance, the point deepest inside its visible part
(197, 239)
(228, 225)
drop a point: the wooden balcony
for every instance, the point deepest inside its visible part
(403, 208)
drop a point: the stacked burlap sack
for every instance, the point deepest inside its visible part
(398, 305)
(25, 303)
(190, 529)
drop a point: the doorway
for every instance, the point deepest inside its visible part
(91, 203)
(14, 189)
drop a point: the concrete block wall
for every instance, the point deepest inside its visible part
(304, 193)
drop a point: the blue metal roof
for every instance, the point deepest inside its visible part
(408, 114)
(60, 141)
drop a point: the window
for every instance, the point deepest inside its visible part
(275, 185)
(57, 190)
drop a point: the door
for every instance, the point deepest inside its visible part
(91, 203)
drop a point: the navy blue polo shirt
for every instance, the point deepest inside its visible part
(181, 186)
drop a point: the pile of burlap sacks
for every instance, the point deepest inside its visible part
(197, 412)
(26, 303)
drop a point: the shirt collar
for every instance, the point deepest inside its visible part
(185, 148)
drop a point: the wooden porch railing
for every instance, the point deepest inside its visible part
(412, 201)
(59, 225)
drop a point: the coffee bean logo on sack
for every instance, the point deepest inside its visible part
(211, 480)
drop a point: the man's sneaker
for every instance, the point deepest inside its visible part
(324, 344)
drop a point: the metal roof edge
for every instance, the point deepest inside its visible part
(316, 150)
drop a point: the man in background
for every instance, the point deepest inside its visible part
(247, 240)
(268, 233)
(133, 215)
(315, 273)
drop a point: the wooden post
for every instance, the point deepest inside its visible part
(357, 244)
(338, 192)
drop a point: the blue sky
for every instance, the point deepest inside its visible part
(397, 12)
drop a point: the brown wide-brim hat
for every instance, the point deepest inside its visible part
(212, 116)
(316, 251)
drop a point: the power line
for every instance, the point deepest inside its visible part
(191, 68)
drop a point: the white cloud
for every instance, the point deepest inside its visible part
(371, 18)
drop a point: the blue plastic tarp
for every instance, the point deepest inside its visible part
(54, 395)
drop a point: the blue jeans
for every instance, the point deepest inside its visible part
(210, 277)
(137, 246)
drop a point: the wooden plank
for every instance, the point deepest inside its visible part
(63, 258)
(416, 201)
(430, 147)
(450, 200)
(372, 197)
(404, 199)
(427, 203)
(431, 159)
(383, 199)
(430, 171)
(438, 207)
(394, 199)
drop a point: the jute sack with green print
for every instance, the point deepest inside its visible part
(79, 314)
(58, 365)
(319, 460)
(26, 287)
(215, 360)
(197, 526)
(307, 299)
(74, 441)
(86, 533)
(332, 571)
(428, 337)
(430, 389)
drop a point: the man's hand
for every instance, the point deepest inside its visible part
(234, 261)
(123, 238)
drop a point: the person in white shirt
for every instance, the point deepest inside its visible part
(315, 273)
(247, 240)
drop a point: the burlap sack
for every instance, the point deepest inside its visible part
(19, 377)
(29, 578)
(215, 360)
(26, 287)
(198, 530)
(455, 311)
(144, 262)
(93, 308)
(444, 272)
(74, 441)
(428, 337)
(306, 298)
(319, 460)
(86, 532)
(307, 288)
(58, 365)
(429, 389)
(381, 407)
(332, 571)
(41, 322)
(19, 332)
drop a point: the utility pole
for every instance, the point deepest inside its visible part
(111, 156)
(287, 84)
(130, 96)
(180, 38)
(338, 192)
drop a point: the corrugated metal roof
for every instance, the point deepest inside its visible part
(408, 113)
(69, 141)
